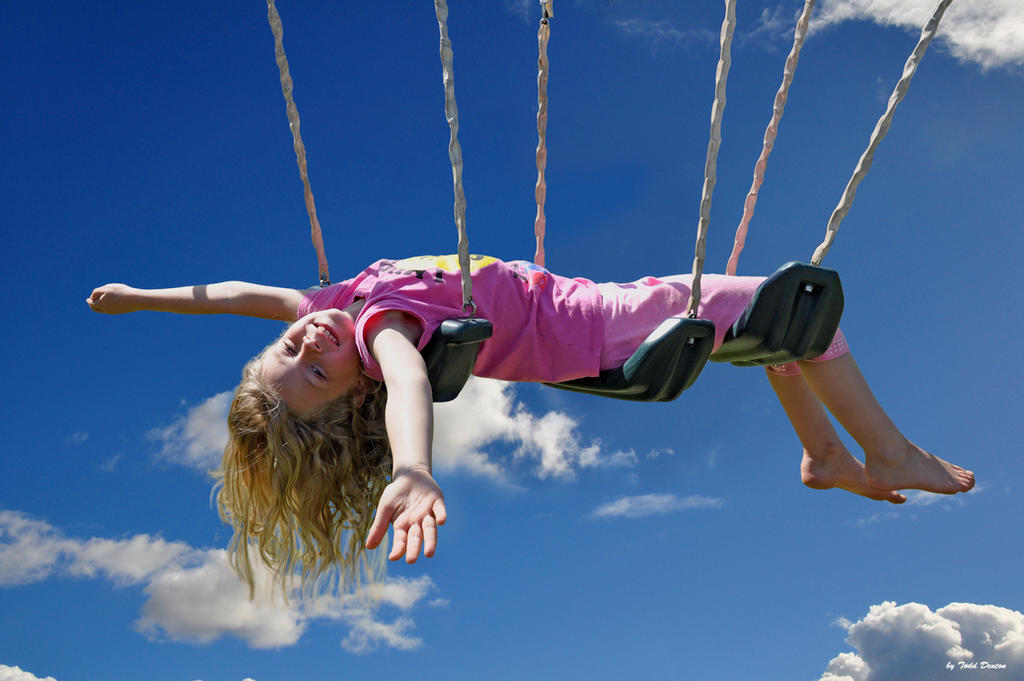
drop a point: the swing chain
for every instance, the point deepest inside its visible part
(881, 129)
(710, 164)
(541, 188)
(778, 107)
(451, 110)
(274, 19)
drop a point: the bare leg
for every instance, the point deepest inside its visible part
(826, 461)
(891, 460)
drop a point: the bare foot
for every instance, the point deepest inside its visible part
(910, 467)
(836, 467)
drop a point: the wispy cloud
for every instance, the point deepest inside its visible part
(110, 464)
(76, 438)
(989, 33)
(910, 642)
(653, 504)
(661, 33)
(774, 25)
(366, 635)
(193, 594)
(920, 499)
(520, 8)
(366, 631)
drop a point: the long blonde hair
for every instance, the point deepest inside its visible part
(301, 492)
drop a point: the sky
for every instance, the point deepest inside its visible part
(146, 143)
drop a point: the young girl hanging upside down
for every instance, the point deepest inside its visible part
(340, 403)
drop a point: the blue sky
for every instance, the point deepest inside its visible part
(147, 144)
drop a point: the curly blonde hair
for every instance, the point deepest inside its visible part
(301, 492)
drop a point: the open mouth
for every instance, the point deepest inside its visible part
(331, 336)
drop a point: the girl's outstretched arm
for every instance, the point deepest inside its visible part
(413, 502)
(227, 297)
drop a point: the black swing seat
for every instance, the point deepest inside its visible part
(451, 354)
(793, 315)
(666, 364)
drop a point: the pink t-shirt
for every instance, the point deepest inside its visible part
(546, 327)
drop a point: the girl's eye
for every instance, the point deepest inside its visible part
(319, 374)
(289, 348)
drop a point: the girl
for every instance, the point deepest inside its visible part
(341, 399)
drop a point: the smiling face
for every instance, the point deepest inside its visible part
(315, 362)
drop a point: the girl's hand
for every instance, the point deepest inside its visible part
(414, 504)
(113, 299)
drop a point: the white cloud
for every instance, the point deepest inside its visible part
(987, 32)
(366, 635)
(367, 631)
(480, 415)
(399, 592)
(127, 561)
(911, 643)
(19, 674)
(198, 438)
(486, 412)
(653, 504)
(194, 595)
(846, 667)
(30, 550)
(205, 602)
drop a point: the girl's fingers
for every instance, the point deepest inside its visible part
(415, 539)
(429, 536)
(398, 546)
(440, 512)
(409, 537)
(379, 528)
(374, 536)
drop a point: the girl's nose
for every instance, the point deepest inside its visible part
(310, 341)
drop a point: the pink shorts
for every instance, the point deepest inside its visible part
(836, 348)
(631, 311)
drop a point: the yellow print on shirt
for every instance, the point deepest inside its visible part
(445, 263)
